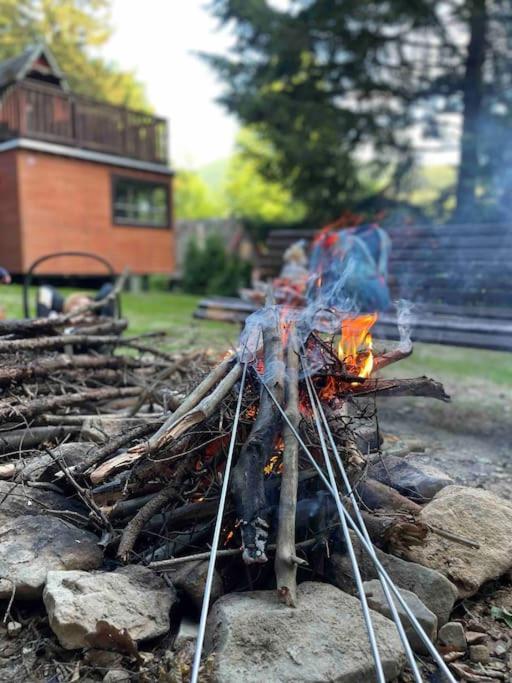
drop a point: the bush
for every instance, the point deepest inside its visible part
(211, 270)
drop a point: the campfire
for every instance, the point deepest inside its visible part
(262, 464)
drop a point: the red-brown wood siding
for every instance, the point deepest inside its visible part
(66, 204)
(10, 236)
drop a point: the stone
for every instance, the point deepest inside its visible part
(14, 629)
(452, 634)
(256, 638)
(479, 654)
(187, 633)
(31, 546)
(190, 578)
(434, 590)
(17, 499)
(132, 598)
(473, 514)
(409, 477)
(427, 619)
(117, 676)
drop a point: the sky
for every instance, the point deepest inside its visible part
(157, 39)
(184, 89)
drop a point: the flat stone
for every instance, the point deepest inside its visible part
(434, 590)
(256, 638)
(473, 514)
(427, 619)
(409, 477)
(132, 598)
(452, 634)
(479, 654)
(17, 499)
(31, 546)
(190, 578)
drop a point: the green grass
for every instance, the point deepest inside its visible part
(172, 312)
(448, 362)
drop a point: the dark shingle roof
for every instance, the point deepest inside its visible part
(16, 68)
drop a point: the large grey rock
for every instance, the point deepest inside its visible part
(434, 590)
(31, 546)
(190, 578)
(131, 598)
(411, 478)
(427, 619)
(255, 638)
(452, 634)
(474, 514)
(18, 499)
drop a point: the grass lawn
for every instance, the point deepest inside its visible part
(172, 312)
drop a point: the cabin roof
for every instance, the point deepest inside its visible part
(16, 68)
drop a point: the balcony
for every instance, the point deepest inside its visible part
(42, 112)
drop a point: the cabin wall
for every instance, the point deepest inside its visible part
(66, 205)
(10, 237)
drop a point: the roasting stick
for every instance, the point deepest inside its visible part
(216, 536)
(368, 548)
(348, 541)
(313, 397)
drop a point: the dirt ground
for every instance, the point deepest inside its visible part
(469, 438)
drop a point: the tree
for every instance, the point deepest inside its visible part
(331, 83)
(71, 29)
(193, 200)
(249, 194)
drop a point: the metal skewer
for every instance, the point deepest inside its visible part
(313, 395)
(216, 536)
(348, 541)
(367, 547)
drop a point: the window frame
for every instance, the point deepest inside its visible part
(133, 223)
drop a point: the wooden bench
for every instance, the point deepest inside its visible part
(459, 278)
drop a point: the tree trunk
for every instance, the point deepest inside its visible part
(472, 99)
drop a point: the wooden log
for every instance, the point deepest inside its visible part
(377, 496)
(286, 560)
(134, 527)
(203, 410)
(247, 483)
(46, 367)
(57, 342)
(42, 405)
(419, 386)
(31, 437)
(393, 356)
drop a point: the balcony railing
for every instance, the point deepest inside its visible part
(45, 113)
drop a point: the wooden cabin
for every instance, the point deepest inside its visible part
(79, 175)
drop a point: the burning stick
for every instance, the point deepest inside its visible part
(248, 481)
(286, 560)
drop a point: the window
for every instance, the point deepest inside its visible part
(140, 202)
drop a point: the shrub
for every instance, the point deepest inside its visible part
(211, 270)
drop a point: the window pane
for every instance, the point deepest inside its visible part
(139, 202)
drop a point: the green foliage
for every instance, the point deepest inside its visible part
(329, 83)
(193, 199)
(211, 270)
(71, 29)
(249, 194)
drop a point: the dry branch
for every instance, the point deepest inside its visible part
(247, 481)
(419, 386)
(286, 559)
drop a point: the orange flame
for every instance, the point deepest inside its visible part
(355, 345)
